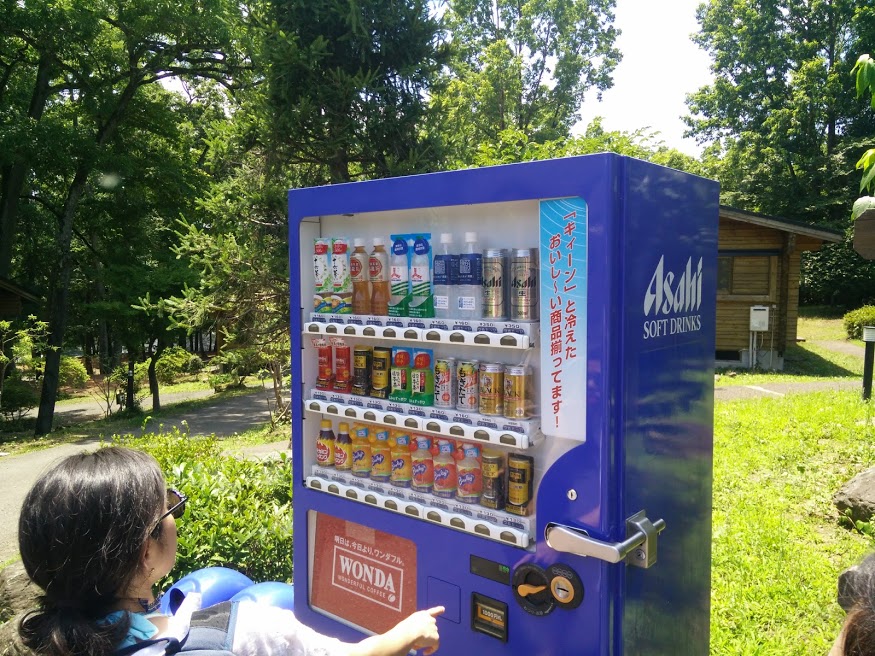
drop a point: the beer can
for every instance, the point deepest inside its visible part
(467, 386)
(491, 388)
(494, 495)
(518, 394)
(382, 361)
(520, 484)
(445, 382)
(361, 370)
(495, 284)
(524, 284)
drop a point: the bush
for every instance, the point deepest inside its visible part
(72, 372)
(856, 319)
(18, 397)
(241, 510)
(195, 364)
(172, 364)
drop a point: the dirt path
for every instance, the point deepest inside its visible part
(224, 418)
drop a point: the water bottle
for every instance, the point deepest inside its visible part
(446, 278)
(470, 304)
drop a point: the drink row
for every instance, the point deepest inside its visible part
(414, 280)
(416, 376)
(442, 467)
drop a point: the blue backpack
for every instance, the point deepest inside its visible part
(211, 634)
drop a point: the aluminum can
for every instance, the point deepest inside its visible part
(491, 388)
(495, 284)
(524, 284)
(520, 484)
(518, 394)
(361, 370)
(382, 361)
(467, 386)
(494, 495)
(445, 382)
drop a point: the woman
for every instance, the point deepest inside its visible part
(98, 530)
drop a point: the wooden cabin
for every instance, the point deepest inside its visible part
(758, 265)
(13, 298)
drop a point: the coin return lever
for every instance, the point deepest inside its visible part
(638, 549)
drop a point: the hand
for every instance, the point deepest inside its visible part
(421, 627)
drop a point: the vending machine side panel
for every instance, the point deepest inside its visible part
(669, 255)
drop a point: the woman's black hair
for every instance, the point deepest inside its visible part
(857, 596)
(81, 534)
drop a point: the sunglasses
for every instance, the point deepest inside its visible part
(175, 505)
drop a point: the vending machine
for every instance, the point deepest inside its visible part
(502, 384)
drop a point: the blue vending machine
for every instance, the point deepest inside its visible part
(537, 458)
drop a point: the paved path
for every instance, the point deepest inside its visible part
(224, 418)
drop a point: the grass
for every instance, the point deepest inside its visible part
(778, 545)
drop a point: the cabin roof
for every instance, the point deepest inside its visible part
(17, 290)
(780, 223)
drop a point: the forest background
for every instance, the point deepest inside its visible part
(146, 146)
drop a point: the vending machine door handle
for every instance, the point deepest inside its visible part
(638, 549)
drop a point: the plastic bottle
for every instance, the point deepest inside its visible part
(381, 457)
(325, 445)
(399, 444)
(378, 270)
(343, 448)
(361, 451)
(359, 266)
(399, 278)
(446, 278)
(445, 470)
(470, 475)
(422, 466)
(470, 305)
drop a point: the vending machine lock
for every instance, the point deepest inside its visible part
(638, 549)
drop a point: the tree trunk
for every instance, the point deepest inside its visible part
(129, 384)
(58, 307)
(153, 377)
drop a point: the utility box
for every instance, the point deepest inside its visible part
(759, 318)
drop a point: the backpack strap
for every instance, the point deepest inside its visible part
(211, 633)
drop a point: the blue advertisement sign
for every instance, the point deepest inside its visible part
(563, 317)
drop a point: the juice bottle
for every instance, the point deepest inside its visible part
(343, 448)
(445, 470)
(359, 267)
(401, 461)
(470, 475)
(381, 458)
(422, 466)
(325, 445)
(361, 451)
(378, 271)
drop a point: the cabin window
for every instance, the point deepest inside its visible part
(744, 275)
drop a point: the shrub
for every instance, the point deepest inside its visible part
(856, 319)
(72, 372)
(172, 364)
(18, 397)
(194, 364)
(240, 510)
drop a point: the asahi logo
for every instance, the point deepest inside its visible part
(677, 296)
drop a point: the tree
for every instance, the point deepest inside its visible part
(30, 335)
(519, 70)
(865, 84)
(91, 81)
(779, 113)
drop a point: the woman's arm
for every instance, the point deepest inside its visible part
(418, 631)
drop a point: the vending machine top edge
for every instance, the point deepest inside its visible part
(502, 387)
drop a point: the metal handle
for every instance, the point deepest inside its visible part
(638, 549)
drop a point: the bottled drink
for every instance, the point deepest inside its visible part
(422, 465)
(399, 279)
(325, 445)
(401, 461)
(470, 475)
(381, 457)
(421, 299)
(446, 278)
(361, 451)
(343, 448)
(378, 270)
(470, 280)
(445, 470)
(359, 266)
